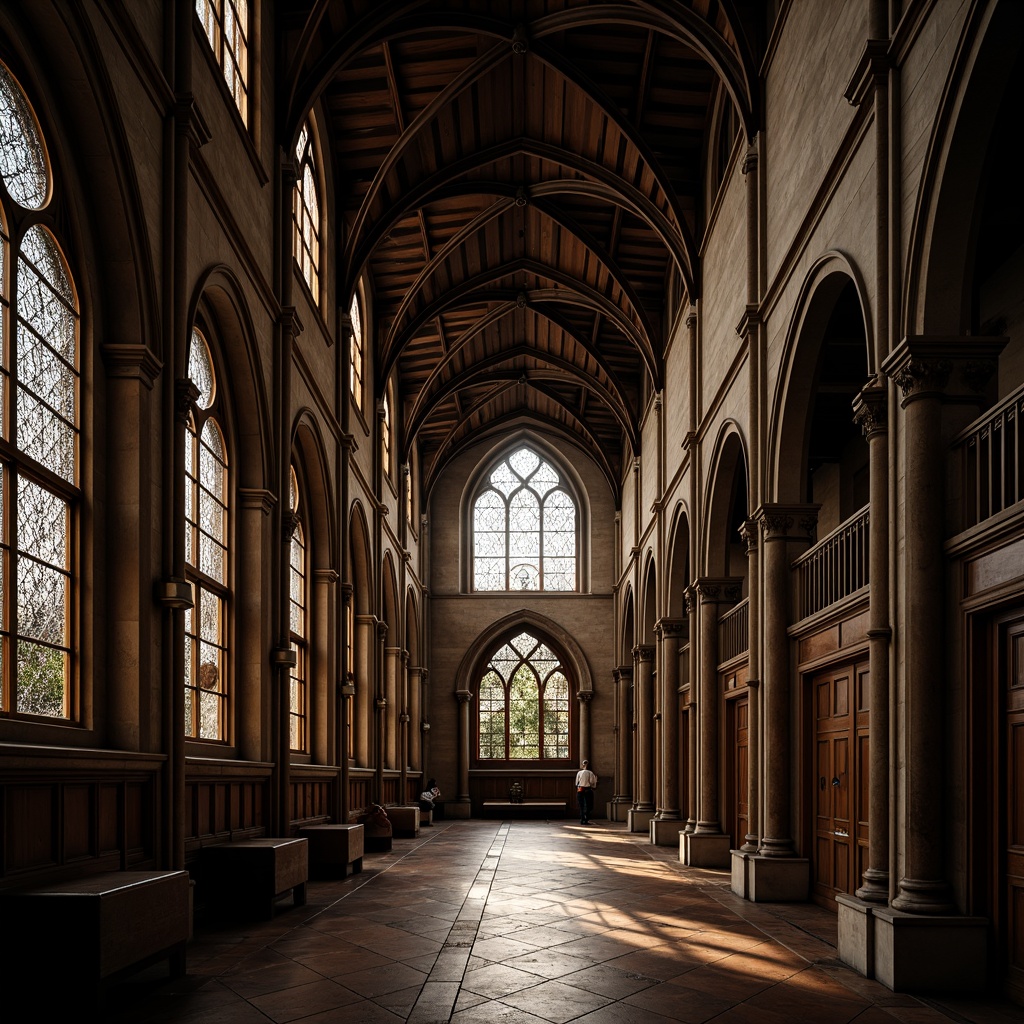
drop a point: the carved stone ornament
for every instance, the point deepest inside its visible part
(788, 522)
(749, 535)
(463, 696)
(185, 396)
(643, 652)
(690, 599)
(719, 591)
(290, 524)
(382, 630)
(773, 523)
(584, 696)
(672, 628)
(976, 373)
(920, 377)
(871, 410)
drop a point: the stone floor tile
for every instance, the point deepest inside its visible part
(378, 981)
(502, 948)
(556, 1002)
(609, 981)
(685, 1004)
(493, 1012)
(304, 1000)
(497, 980)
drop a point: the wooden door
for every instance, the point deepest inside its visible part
(738, 713)
(839, 710)
(1012, 842)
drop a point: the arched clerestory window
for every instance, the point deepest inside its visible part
(206, 552)
(525, 527)
(226, 24)
(40, 493)
(306, 210)
(355, 352)
(523, 704)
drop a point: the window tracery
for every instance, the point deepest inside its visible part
(355, 353)
(524, 528)
(39, 428)
(523, 705)
(385, 437)
(206, 553)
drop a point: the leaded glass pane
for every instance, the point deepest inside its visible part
(489, 515)
(211, 460)
(42, 601)
(22, 150)
(524, 643)
(524, 525)
(44, 437)
(490, 545)
(293, 490)
(544, 660)
(212, 558)
(524, 715)
(524, 462)
(556, 716)
(41, 679)
(210, 617)
(489, 574)
(504, 479)
(560, 574)
(42, 523)
(524, 576)
(492, 717)
(200, 369)
(209, 715)
(505, 661)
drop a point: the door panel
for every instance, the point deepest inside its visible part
(1013, 787)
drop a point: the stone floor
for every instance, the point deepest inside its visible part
(477, 922)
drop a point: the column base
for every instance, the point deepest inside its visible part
(458, 809)
(704, 850)
(665, 832)
(618, 810)
(639, 821)
(770, 879)
(913, 952)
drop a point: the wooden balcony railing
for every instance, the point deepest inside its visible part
(734, 631)
(992, 454)
(835, 567)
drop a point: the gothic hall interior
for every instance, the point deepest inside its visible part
(411, 392)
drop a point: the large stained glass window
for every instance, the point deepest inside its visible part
(206, 553)
(297, 599)
(306, 210)
(524, 528)
(523, 706)
(226, 23)
(39, 428)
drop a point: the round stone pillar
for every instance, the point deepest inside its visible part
(623, 733)
(643, 659)
(464, 697)
(584, 698)
(669, 632)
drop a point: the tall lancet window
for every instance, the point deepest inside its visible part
(206, 553)
(39, 427)
(306, 219)
(298, 703)
(524, 528)
(523, 707)
(226, 23)
(355, 353)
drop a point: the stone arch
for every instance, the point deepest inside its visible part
(362, 628)
(725, 506)
(627, 628)
(390, 685)
(679, 575)
(831, 309)
(650, 608)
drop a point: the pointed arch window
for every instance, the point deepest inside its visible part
(523, 705)
(355, 352)
(226, 23)
(206, 552)
(385, 436)
(525, 532)
(39, 427)
(298, 700)
(306, 206)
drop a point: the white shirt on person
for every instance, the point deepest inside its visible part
(585, 777)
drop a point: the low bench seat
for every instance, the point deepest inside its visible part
(426, 818)
(405, 821)
(66, 940)
(334, 850)
(525, 808)
(247, 877)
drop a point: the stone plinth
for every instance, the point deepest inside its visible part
(704, 850)
(639, 821)
(777, 879)
(664, 832)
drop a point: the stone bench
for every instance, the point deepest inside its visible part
(526, 808)
(334, 850)
(247, 877)
(405, 821)
(67, 940)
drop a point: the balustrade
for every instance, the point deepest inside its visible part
(835, 567)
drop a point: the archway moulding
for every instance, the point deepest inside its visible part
(578, 666)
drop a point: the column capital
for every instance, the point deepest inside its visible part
(673, 628)
(257, 498)
(585, 696)
(186, 394)
(382, 629)
(623, 672)
(871, 409)
(749, 534)
(463, 696)
(643, 652)
(921, 366)
(787, 522)
(718, 589)
(135, 362)
(326, 576)
(690, 598)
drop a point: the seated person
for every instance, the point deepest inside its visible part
(429, 795)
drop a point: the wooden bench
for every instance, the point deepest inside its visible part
(334, 849)
(66, 941)
(248, 876)
(426, 818)
(525, 808)
(405, 820)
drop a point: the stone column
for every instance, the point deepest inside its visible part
(623, 798)
(463, 697)
(690, 597)
(403, 722)
(416, 718)
(707, 846)
(871, 411)
(362, 710)
(785, 529)
(392, 662)
(751, 535)
(667, 825)
(584, 697)
(643, 683)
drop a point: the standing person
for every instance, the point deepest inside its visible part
(586, 781)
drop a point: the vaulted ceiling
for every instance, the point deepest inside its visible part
(517, 182)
